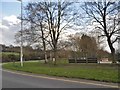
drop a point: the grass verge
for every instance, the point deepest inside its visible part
(99, 72)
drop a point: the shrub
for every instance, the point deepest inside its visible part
(10, 57)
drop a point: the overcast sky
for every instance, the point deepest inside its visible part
(9, 23)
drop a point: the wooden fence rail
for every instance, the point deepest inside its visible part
(81, 60)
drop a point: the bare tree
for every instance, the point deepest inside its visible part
(105, 13)
(35, 31)
(50, 18)
(59, 15)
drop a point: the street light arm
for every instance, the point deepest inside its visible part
(19, 0)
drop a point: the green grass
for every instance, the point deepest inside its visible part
(101, 72)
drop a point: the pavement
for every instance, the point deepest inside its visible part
(16, 79)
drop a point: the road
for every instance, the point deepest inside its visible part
(12, 79)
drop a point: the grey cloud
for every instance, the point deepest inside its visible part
(8, 28)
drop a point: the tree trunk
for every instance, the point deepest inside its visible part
(108, 38)
(113, 57)
(55, 57)
(50, 56)
(112, 50)
(45, 55)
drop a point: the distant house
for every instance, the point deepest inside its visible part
(104, 59)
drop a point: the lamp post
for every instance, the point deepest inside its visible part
(21, 44)
(118, 35)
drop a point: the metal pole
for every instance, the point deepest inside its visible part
(119, 30)
(21, 44)
(21, 59)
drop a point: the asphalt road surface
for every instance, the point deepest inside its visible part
(26, 80)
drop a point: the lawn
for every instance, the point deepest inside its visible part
(100, 72)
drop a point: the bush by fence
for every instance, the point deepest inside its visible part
(13, 56)
(10, 57)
